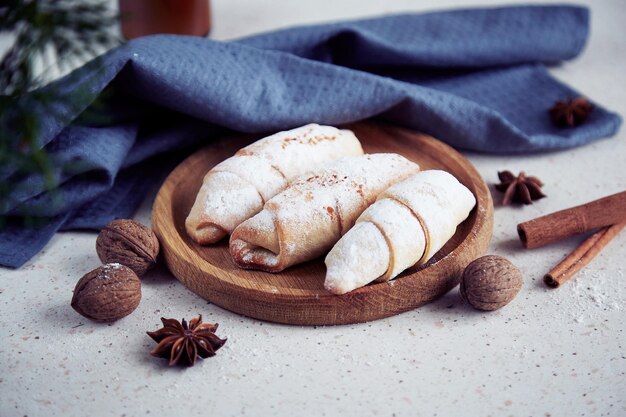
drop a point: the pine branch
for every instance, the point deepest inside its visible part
(72, 31)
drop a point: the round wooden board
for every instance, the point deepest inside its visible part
(297, 295)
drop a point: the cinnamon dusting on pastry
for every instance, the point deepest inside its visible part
(308, 140)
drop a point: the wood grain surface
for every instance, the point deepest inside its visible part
(297, 295)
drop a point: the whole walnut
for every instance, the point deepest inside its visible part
(107, 293)
(490, 282)
(129, 243)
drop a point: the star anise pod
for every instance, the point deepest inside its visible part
(570, 113)
(522, 189)
(182, 343)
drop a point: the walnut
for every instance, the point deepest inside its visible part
(107, 293)
(490, 282)
(129, 243)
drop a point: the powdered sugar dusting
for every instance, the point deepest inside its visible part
(403, 232)
(590, 293)
(359, 257)
(221, 200)
(256, 171)
(108, 269)
(440, 201)
(224, 200)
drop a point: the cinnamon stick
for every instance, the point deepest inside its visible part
(561, 224)
(580, 257)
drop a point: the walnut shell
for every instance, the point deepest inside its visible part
(490, 282)
(107, 293)
(129, 243)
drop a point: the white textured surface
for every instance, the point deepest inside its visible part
(550, 352)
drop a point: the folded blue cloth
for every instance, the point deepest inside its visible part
(472, 78)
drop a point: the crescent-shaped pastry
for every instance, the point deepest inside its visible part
(305, 220)
(407, 225)
(236, 188)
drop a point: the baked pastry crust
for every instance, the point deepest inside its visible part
(236, 189)
(407, 225)
(304, 221)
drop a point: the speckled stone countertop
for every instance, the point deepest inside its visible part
(548, 353)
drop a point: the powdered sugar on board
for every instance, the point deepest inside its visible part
(590, 293)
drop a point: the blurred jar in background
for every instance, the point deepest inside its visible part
(181, 17)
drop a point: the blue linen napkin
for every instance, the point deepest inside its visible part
(473, 78)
